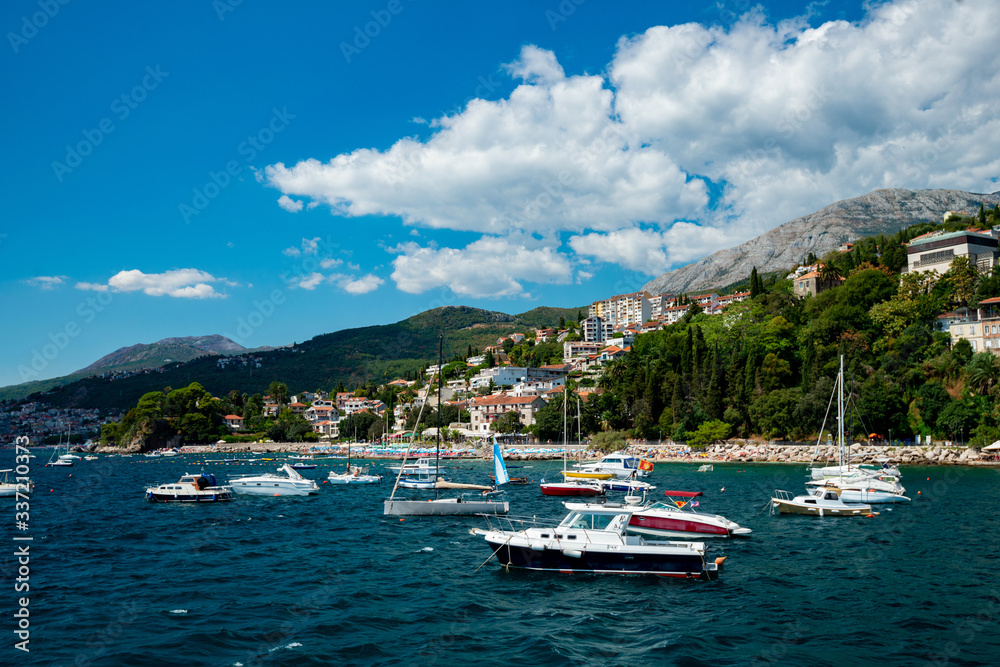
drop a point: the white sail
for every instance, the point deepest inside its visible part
(499, 467)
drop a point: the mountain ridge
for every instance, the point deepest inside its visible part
(880, 211)
(353, 356)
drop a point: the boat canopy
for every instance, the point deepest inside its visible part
(683, 494)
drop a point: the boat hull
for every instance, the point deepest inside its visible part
(786, 507)
(220, 496)
(568, 490)
(271, 489)
(871, 496)
(449, 506)
(354, 479)
(666, 526)
(681, 566)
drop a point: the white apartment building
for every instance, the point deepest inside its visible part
(596, 329)
(511, 375)
(935, 251)
(536, 387)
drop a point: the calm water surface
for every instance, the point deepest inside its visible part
(328, 579)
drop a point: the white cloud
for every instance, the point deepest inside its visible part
(309, 247)
(46, 282)
(180, 283)
(289, 204)
(651, 251)
(93, 287)
(362, 285)
(310, 281)
(785, 118)
(330, 262)
(489, 267)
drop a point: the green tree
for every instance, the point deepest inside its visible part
(709, 432)
(509, 422)
(279, 393)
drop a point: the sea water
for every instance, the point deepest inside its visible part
(327, 579)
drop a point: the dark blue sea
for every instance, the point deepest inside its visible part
(328, 579)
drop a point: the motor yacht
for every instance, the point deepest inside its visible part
(273, 484)
(593, 538)
(190, 489)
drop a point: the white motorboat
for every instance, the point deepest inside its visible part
(273, 484)
(678, 518)
(708, 467)
(861, 489)
(89, 458)
(354, 475)
(619, 464)
(820, 501)
(594, 539)
(425, 465)
(190, 489)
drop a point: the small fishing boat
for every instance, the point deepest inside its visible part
(272, 484)
(190, 489)
(593, 539)
(678, 518)
(304, 466)
(353, 474)
(822, 501)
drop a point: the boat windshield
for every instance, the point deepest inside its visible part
(588, 521)
(668, 506)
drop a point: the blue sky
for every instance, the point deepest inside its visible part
(272, 172)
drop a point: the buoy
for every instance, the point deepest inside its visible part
(401, 519)
(918, 493)
(50, 490)
(722, 489)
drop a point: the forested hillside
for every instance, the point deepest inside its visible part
(766, 366)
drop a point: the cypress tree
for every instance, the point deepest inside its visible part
(982, 215)
(754, 283)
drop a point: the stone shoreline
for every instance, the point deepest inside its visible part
(730, 451)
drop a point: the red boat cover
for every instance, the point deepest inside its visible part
(683, 494)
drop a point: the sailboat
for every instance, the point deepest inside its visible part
(443, 506)
(353, 475)
(823, 501)
(61, 460)
(571, 487)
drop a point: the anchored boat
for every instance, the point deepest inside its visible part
(190, 489)
(593, 539)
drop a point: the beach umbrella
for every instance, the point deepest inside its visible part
(995, 446)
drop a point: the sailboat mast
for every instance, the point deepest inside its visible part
(840, 411)
(437, 448)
